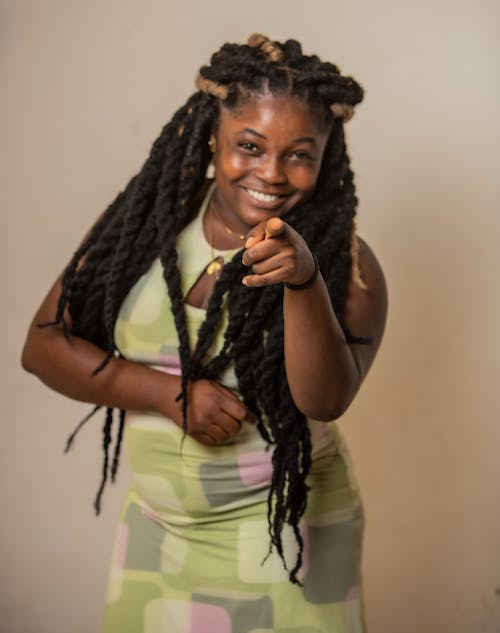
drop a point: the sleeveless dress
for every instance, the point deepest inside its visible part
(192, 536)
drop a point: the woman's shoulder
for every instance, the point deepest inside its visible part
(370, 270)
(365, 308)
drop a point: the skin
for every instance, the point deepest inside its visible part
(271, 145)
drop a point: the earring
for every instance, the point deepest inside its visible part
(210, 173)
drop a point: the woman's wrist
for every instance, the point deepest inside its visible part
(310, 281)
(166, 391)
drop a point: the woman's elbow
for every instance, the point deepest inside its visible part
(34, 351)
(28, 357)
(325, 411)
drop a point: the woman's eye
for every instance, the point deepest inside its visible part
(249, 147)
(301, 155)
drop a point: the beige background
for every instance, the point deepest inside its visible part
(85, 88)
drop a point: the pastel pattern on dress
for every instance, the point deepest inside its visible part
(192, 550)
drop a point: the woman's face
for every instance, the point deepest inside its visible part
(267, 159)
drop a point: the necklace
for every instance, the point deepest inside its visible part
(217, 263)
(228, 230)
(215, 266)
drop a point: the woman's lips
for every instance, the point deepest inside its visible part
(265, 198)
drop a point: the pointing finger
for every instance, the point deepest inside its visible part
(274, 227)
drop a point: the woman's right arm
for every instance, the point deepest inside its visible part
(66, 364)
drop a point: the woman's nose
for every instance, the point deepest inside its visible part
(270, 170)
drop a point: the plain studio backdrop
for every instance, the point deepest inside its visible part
(86, 87)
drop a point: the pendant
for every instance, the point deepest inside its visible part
(214, 267)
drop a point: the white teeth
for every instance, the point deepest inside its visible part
(262, 197)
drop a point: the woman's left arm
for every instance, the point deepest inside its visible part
(324, 372)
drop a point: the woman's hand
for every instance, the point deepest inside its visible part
(214, 413)
(276, 253)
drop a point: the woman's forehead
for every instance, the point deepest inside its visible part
(272, 110)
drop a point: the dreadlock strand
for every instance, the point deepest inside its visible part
(71, 438)
(118, 444)
(106, 441)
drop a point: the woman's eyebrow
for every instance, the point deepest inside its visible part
(304, 139)
(254, 132)
(301, 139)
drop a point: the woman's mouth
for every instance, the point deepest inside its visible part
(263, 197)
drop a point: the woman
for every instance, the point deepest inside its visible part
(232, 320)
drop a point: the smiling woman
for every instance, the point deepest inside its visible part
(267, 158)
(224, 318)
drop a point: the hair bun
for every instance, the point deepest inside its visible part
(271, 49)
(211, 87)
(342, 111)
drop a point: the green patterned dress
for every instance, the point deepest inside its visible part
(192, 537)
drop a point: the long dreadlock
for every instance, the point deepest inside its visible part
(142, 225)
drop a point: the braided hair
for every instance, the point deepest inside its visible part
(142, 224)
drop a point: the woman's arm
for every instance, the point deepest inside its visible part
(324, 372)
(66, 365)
